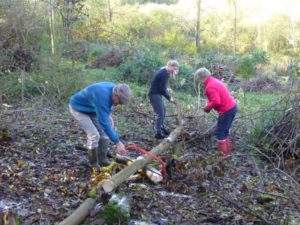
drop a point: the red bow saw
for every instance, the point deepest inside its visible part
(150, 155)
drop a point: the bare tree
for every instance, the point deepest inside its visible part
(110, 11)
(294, 34)
(234, 26)
(234, 3)
(198, 25)
(70, 11)
(52, 26)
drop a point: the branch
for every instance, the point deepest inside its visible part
(80, 213)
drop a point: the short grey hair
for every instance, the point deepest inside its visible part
(202, 73)
(124, 93)
(173, 63)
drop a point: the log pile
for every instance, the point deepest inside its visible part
(262, 84)
(110, 60)
(284, 135)
(222, 72)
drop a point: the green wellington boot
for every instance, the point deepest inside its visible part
(102, 152)
(93, 158)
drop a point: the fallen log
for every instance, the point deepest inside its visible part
(80, 213)
(83, 210)
(140, 162)
(151, 173)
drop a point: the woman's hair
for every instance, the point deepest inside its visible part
(173, 63)
(202, 73)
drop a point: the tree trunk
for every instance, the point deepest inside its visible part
(52, 27)
(80, 213)
(67, 8)
(23, 77)
(110, 12)
(140, 162)
(234, 29)
(198, 25)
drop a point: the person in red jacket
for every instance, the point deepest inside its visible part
(219, 99)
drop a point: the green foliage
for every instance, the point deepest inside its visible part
(176, 40)
(98, 75)
(184, 81)
(59, 82)
(293, 69)
(21, 22)
(265, 118)
(21, 28)
(264, 198)
(140, 65)
(208, 58)
(54, 83)
(246, 64)
(113, 214)
(11, 87)
(78, 50)
(278, 44)
(93, 193)
(95, 50)
(116, 211)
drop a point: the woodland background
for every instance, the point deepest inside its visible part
(51, 48)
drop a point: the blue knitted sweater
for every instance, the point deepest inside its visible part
(97, 98)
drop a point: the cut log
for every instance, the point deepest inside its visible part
(140, 162)
(80, 213)
(151, 173)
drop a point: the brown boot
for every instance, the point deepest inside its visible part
(102, 152)
(93, 158)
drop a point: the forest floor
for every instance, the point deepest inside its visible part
(44, 178)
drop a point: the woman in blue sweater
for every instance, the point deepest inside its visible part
(158, 89)
(92, 108)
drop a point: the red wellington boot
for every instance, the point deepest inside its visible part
(222, 147)
(229, 146)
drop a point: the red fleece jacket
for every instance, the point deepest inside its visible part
(219, 97)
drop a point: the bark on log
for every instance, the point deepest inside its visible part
(83, 210)
(140, 162)
(80, 213)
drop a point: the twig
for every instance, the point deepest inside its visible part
(244, 208)
(261, 183)
(269, 193)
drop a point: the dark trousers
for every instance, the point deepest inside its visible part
(224, 123)
(160, 110)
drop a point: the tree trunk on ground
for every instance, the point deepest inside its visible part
(140, 162)
(80, 213)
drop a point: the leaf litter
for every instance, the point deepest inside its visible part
(44, 177)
